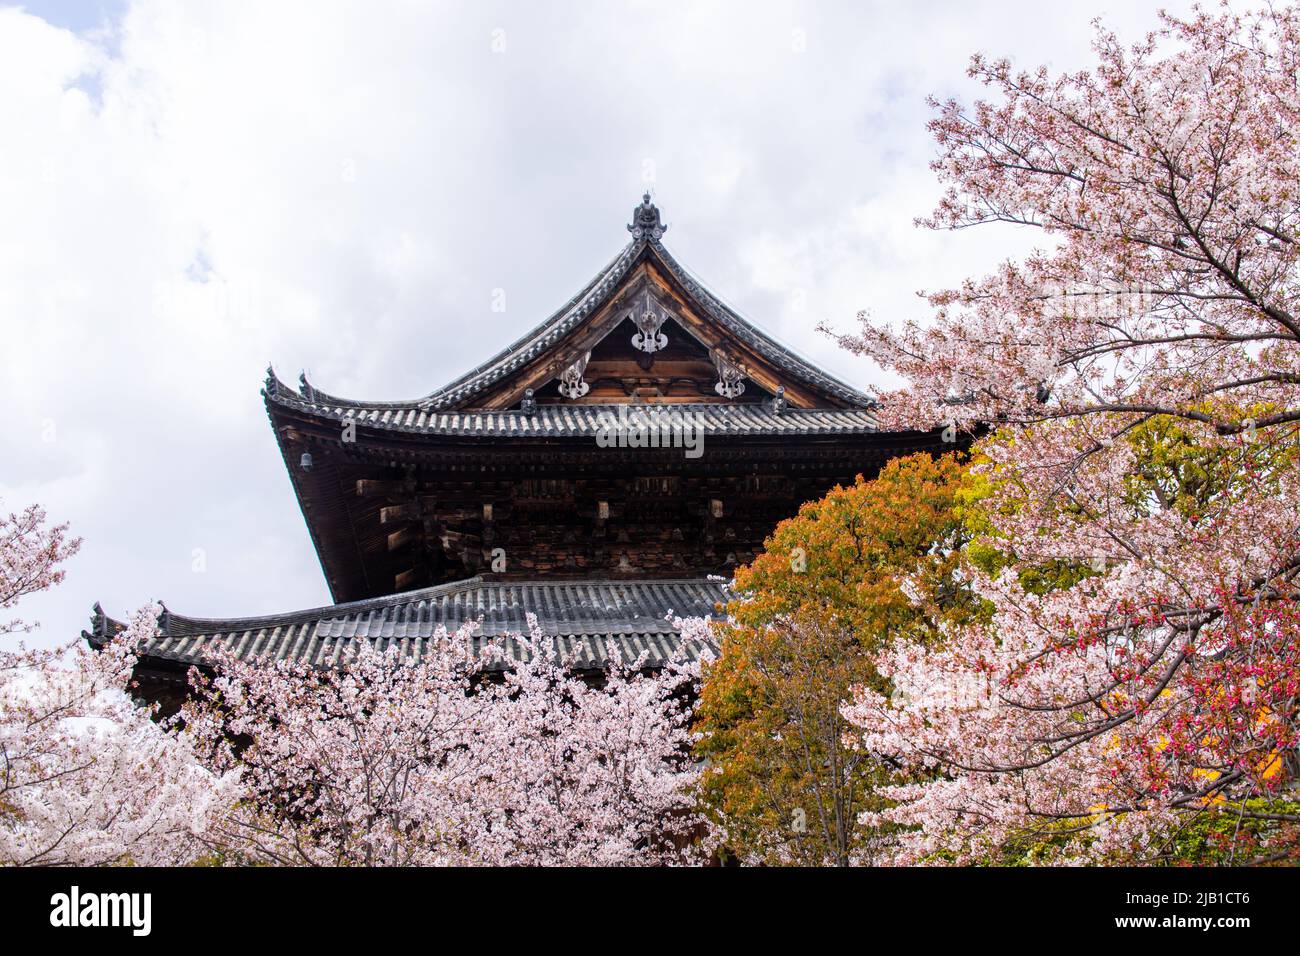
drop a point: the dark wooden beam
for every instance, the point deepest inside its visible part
(403, 537)
(406, 580)
(395, 514)
(373, 486)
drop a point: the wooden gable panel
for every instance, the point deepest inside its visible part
(621, 374)
(618, 372)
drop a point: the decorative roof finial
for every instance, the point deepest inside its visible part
(780, 402)
(645, 222)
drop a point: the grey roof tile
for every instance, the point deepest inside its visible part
(586, 421)
(579, 615)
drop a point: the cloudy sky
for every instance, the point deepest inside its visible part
(190, 191)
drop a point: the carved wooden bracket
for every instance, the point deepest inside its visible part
(649, 320)
(571, 383)
(730, 382)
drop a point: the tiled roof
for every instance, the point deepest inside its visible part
(577, 421)
(581, 616)
(572, 313)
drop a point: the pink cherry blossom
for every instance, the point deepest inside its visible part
(1094, 721)
(86, 777)
(381, 759)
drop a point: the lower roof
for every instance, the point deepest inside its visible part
(582, 617)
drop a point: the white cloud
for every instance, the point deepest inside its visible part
(203, 188)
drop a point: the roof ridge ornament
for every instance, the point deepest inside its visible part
(646, 223)
(779, 401)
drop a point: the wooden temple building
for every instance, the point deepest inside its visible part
(614, 464)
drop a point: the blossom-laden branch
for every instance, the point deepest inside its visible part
(1165, 186)
(1140, 675)
(385, 758)
(87, 778)
(377, 759)
(30, 555)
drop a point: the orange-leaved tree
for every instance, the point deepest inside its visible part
(867, 565)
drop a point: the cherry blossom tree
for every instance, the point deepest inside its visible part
(1138, 684)
(449, 759)
(86, 777)
(454, 758)
(30, 555)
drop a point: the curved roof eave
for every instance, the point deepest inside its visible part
(718, 419)
(583, 614)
